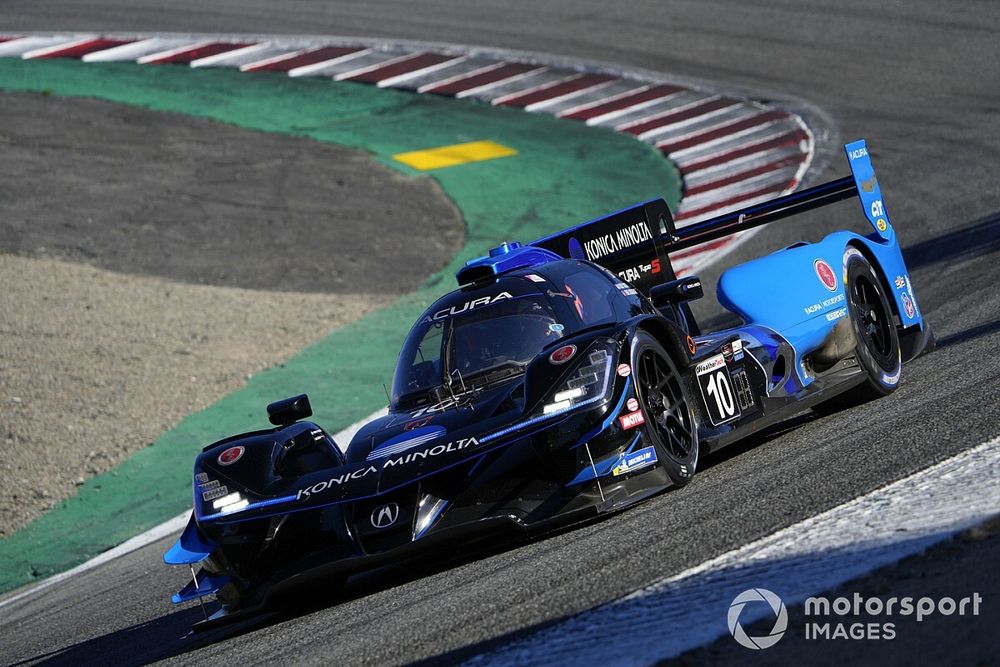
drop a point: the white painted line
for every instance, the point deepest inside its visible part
(165, 529)
(458, 77)
(627, 88)
(666, 102)
(454, 70)
(134, 50)
(236, 57)
(686, 100)
(430, 69)
(55, 48)
(159, 55)
(689, 609)
(724, 144)
(316, 69)
(698, 124)
(389, 59)
(534, 82)
(543, 106)
(742, 163)
(594, 95)
(287, 55)
(486, 87)
(745, 185)
(537, 80)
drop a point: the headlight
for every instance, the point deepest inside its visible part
(589, 382)
(231, 503)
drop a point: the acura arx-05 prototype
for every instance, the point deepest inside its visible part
(564, 378)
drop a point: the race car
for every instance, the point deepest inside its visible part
(564, 378)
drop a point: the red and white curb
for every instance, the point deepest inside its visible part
(731, 152)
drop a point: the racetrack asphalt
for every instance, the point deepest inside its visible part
(915, 81)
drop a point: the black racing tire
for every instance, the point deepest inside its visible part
(877, 341)
(666, 408)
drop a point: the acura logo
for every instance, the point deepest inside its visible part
(385, 516)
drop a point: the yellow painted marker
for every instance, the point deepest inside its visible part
(449, 156)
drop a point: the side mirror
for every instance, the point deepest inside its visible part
(676, 291)
(289, 410)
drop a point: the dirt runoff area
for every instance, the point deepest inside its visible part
(97, 356)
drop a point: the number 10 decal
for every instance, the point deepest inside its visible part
(717, 390)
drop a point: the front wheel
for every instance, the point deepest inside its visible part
(669, 418)
(877, 342)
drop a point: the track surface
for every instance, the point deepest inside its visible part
(904, 80)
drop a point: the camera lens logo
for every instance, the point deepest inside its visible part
(780, 618)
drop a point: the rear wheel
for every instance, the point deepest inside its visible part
(669, 418)
(877, 342)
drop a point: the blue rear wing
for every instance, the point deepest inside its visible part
(635, 242)
(868, 188)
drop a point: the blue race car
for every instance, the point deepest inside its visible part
(564, 378)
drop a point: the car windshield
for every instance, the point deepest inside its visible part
(478, 347)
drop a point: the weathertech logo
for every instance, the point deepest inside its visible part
(752, 596)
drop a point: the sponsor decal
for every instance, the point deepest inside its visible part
(913, 297)
(908, 306)
(891, 379)
(718, 361)
(231, 455)
(636, 272)
(385, 515)
(836, 315)
(429, 452)
(337, 480)
(626, 237)
(881, 224)
(825, 274)
(468, 305)
(632, 405)
(624, 370)
(900, 282)
(849, 252)
(631, 462)
(215, 492)
(535, 278)
(878, 210)
(563, 354)
(418, 423)
(210, 489)
(825, 303)
(692, 346)
(632, 419)
(858, 152)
